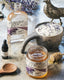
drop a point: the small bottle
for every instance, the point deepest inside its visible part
(17, 24)
(5, 50)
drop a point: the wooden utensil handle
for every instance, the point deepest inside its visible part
(63, 54)
(1, 71)
(34, 35)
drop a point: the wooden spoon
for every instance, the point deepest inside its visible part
(8, 68)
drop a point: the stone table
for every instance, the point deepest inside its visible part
(55, 72)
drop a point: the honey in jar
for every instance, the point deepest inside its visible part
(37, 62)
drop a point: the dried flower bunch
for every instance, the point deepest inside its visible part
(27, 5)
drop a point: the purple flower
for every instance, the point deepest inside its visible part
(11, 31)
(29, 69)
(28, 6)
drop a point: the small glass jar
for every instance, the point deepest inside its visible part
(37, 62)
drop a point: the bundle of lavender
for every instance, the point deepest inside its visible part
(27, 5)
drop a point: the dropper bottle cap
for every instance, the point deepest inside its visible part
(5, 46)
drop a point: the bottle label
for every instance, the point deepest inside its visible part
(36, 68)
(5, 54)
(17, 27)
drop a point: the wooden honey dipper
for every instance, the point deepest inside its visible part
(55, 56)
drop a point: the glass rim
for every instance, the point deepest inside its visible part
(37, 59)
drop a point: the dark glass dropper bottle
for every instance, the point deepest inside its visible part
(5, 50)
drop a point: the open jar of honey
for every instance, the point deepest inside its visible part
(37, 62)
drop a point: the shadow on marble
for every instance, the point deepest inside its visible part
(17, 72)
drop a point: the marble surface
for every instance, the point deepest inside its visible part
(56, 71)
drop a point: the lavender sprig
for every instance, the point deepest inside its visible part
(27, 6)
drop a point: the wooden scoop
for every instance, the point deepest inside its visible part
(8, 68)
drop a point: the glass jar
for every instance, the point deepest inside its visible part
(37, 62)
(17, 23)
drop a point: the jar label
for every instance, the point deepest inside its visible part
(36, 68)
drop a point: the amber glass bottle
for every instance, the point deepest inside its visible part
(37, 62)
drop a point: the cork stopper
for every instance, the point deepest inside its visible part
(17, 6)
